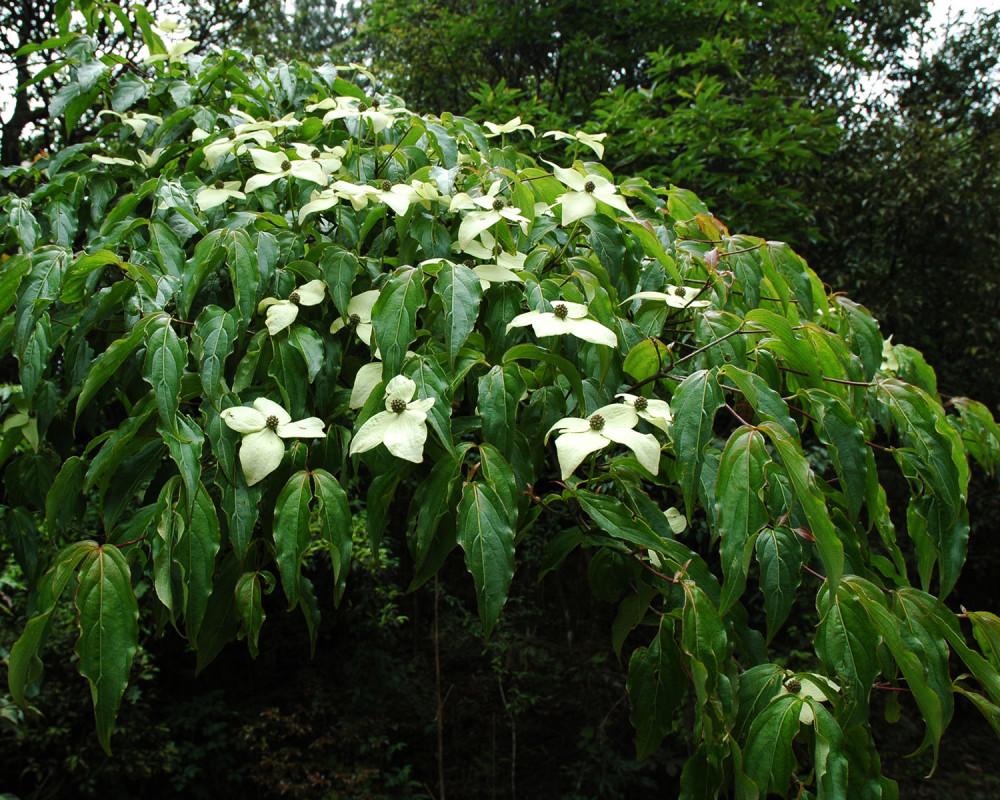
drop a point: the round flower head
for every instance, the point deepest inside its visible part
(263, 427)
(359, 315)
(402, 427)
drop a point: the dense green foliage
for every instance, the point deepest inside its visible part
(430, 323)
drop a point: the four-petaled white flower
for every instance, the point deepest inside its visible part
(282, 313)
(174, 52)
(329, 158)
(402, 427)
(675, 297)
(359, 315)
(565, 317)
(278, 165)
(502, 266)
(218, 193)
(579, 437)
(656, 412)
(353, 107)
(232, 142)
(807, 685)
(587, 191)
(136, 120)
(494, 208)
(591, 140)
(263, 427)
(507, 127)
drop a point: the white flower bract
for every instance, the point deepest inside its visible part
(263, 427)
(675, 297)
(402, 427)
(565, 317)
(587, 190)
(580, 437)
(282, 313)
(655, 412)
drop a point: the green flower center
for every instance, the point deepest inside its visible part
(294, 297)
(589, 187)
(560, 311)
(374, 105)
(499, 204)
(641, 403)
(129, 115)
(793, 685)
(314, 153)
(596, 422)
(231, 135)
(286, 165)
(273, 118)
(272, 423)
(220, 185)
(362, 106)
(355, 320)
(398, 405)
(386, 185)
(679, 291)
(469, 262)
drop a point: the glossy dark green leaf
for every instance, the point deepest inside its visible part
(779, 554)
(249, 595)
(212, 339)
(166, 358)
(486, 536)
(109, 632)
(291, 532)
(767, 756)
(694, 405)
(656, 687)
(838, 428)
(195, 552)
(336, 526)
(739, 490)
(460, 293)
(340, 268)
(566, 368)
(310, 347)
(107, 363)
(500, 391)
(240, 506)
(607, 243)
(241, 261)
(768, 404)
(394, 317)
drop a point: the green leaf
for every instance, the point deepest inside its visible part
(166, 357)
(310, 347)
(566, 369)
(838, 428)
(74, 287)
(779, 554)
(129, 90)
(10, 279)
(221, 622)
(500, 391)
(110, 360)
(768, 404)
(61, 500)
(340, 267)
(213, 335)
(486, 536)
(248, 599)
(694, 405)
(291, 532)
(432, 500)
(767, 756)
(169, 525)
(986, 629)
(185, 442)
(394, 317)
(830, 759)
(784, 343)
(23, 664)
(864, 336)
(742, 512)
(240, 504)
(460, 293)
(336, 526)
(656, 688)
(109, 632)
(195, 553)
(241, 260)
(607, 242)
(809, 496)
(648, 358)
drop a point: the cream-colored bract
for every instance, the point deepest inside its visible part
(587, 191)
(212, 196)
(808, 685)
(675, 297)
(282, 313)
(579, 437)
(565, 317)
(402, 427)
(263, 427)
(592, 140)
(509, 126)
(359, 306)
(655, 412)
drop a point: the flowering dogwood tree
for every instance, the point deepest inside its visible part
(217, 318)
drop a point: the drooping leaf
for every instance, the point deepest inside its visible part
(694, 405)
(291, 532)
(460, 293)
(656, 687)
